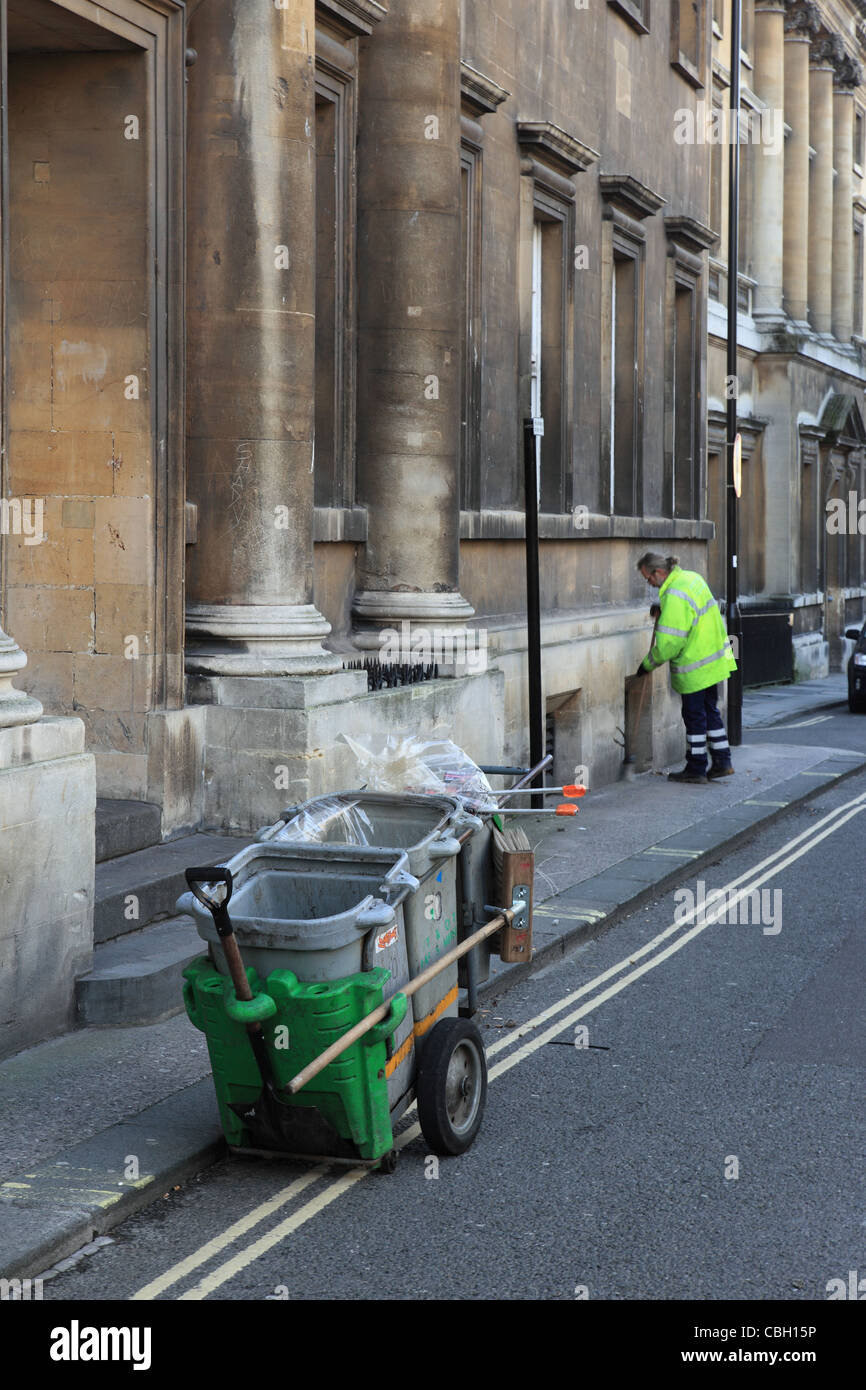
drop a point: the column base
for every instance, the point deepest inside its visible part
(257, 640)
(385, 617)
(830, 340)
(771, 319)
(16, 707)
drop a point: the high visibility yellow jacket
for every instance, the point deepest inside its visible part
(690, 634)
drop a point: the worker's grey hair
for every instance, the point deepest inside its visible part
(653, 561)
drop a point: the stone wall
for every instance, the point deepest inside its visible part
(47, 804)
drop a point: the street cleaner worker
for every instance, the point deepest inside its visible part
(691, 635)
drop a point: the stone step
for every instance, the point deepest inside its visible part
(139, 888)
(136, 978)
(122, 827)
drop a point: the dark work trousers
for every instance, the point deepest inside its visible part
(703, 722)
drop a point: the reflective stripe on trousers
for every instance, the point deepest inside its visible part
(704, 723)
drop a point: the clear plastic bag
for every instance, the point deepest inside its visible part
(433, 767)
(333, 821)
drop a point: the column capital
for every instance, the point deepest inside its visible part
(802, 19)
(827, 50)
(15, 706)
(848, 74)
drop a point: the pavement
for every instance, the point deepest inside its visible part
(104, 1121)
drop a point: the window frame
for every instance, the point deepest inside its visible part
(336, 82)
(550, 209)
(857, 288)
(623, 239)
(809, 558)
(691, 66)
(684, 283)
(471, 230)
(634, 12)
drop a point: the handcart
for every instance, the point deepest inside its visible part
(328, 997)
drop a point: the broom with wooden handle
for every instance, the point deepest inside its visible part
(627, 772)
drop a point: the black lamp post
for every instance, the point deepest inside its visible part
(732, 609)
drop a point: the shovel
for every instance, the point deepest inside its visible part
(270, 1121)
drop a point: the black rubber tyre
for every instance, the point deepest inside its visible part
(856, 706)
(451, 1085)
(387, 1163)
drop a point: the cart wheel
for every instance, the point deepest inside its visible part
(451, 1085)
(387, 1163)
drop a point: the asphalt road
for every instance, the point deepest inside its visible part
(705, 1144)
(834, 726)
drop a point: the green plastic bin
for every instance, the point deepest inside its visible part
(344, 1112)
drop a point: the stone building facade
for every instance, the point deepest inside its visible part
(801, 326)
(281, 281)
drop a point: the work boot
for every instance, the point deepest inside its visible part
(687, 775)
(716, 772)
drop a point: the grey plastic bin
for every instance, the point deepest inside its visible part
(426, 828)
(308, 909)
(323, 913)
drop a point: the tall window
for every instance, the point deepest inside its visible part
(549, 356)
(853, 539)
(746, 219)
(685, 425)
(335, 314)
(535, 338)
(715, 510)
(685, 399)
(688, 35)
(624, 383)
(716, 177)
(470, 349)
(808, 518)
(858, 278)
(747, 29)
(752, 556)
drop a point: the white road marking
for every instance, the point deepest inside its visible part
(245, 1257)
(233, 1233)
(857, 802)
(528, 1048)
(806, 723)
(342, 1184)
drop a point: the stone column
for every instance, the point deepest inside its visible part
(250, 343)
(409, 320)
(848, 75)
(15, 706)
(801, 22)
(770, 160)
(824, 51)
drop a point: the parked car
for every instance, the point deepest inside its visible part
(857, 670)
